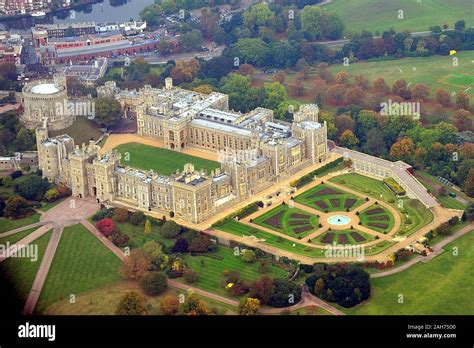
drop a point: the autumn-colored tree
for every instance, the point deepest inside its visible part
(248, 70)
(463, 120)
(420, 91)
(137, 265)
(262, 289)
(324, 72)
(200, 244)
(298, 87)
(105, 226)
(121, 215)
(348, 139)
(355, 96)
(381, 86)
(467, 151)
(400, 88)
(147, 228)
(280, 77)
(131, 303)
(342, 78)
(344, 122)
(204, 89)
(469, 183)
(319, 85)
(17, 207)
(185, 71)
(337, 93)
(194, 306)
(462, 101)
(249, 306)
(169, 305)
(442, 97)
(361, 82)
(403, 149)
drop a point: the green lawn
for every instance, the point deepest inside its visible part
(240, 230)
(285, 220)
(333, 200)
(442, 286)
(17, 276)
(365, 219)
(162, 161)
(382, 15)
(435, 71)
(347, 233)
(81, 131)
(17, 236)
(211, 271)
(8, 225)
(81, 263)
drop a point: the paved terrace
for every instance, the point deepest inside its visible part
(398, 169)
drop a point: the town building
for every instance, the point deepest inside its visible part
(88, 74)
(255, 151)
(10, 48)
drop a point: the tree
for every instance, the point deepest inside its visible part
(262, 289)
(335, 27)
(137, 218)
(191, 40)
(248, 70)
(170, 229)
(190, 277)
(459, 25)
(137, 265)
(469, 183)
(154, 283)
(285, 293)
(169, 305)
(249, 306)
(194, 306)
(108, 111)
(442, 97)
(311, 21)
(381, 86)
(180, 246)
(348, 139)
(402, 150)
(344, 122)
(32, 188)
(361, 82)
(462, 100)
(200, 244)
(51, 195)
(248, 256)
(147, 228)
(463, 120)
(121, 215)
(342, 78)
(400, 88)
(420, 91)
(470, 211)
(319, 287)
(337, 93)
(159, 259)
(185, 71)
(355, 96)
(105, 226)
(2, 206)
(17, 207)
(132, 303)
(274, 94)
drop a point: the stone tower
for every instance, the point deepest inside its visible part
(105, 177)
(307, 112)
(80, 161)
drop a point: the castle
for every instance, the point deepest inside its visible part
(255, 151)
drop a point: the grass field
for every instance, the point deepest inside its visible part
(435, 71)
(17, 236)
(81, 263)
(17, 276)
(162, 161)
(81, 131)
(211, 271)
(285, 220)
(380, 15)
(333, 200)
(442, 286)
(8, 225)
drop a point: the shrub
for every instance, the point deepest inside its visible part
(51, 195)
(200, 244)
(119, 238)
(16, 174)
(169, 305)
(190, 277)
(32, 188)
(103, 213)
(121, 215)
(285, 293)
(249, 256)
(180, 246)
(137, 218)
(170, 229)
(105, 226)
(132, 303)
(17, 207)
(154, 283)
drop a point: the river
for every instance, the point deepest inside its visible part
(104, 11)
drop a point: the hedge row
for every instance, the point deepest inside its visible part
(241, 213)
(306, 179)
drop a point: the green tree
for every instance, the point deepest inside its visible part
(159, 259)
(249, 256)
(311, 21)
(154, 283)
(16, 207)
(108, 111)
(274, 94)
(191, 40)
(147, 228)
(170, 229)
(335, 27)
(32, 188)
(348, 139)
(259, 16)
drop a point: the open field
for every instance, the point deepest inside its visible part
(326, 198)
(442, 286)
(162, 161)
(380, 15)
(211, 271)
(288, 220)
(17, 276)
(81, 263)
(12, 239)
(81, 131)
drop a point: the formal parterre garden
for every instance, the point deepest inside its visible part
(327, 198)
(345, 237)
(377, 218)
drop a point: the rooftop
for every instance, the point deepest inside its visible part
(44, 88)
